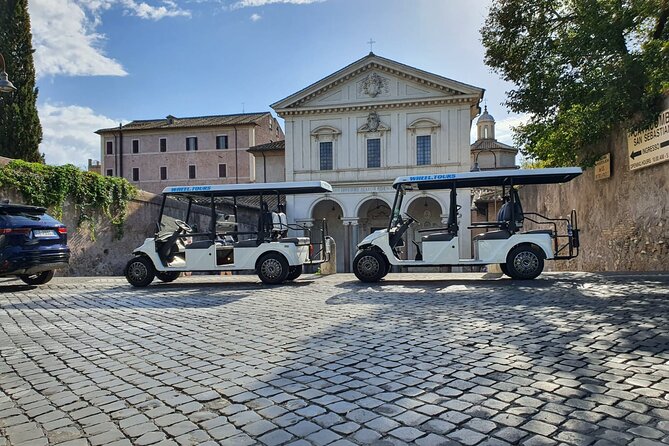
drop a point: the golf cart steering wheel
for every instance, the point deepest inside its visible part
(397, 236)
(183, 226)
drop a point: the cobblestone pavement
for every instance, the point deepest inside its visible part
(433, 359)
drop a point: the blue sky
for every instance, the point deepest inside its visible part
(101, 62)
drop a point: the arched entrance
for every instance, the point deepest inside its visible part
(373, 214)
(332, 212)
(427, 211)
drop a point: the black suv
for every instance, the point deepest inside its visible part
(32, 244)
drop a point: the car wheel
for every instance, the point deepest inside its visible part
(272, 268)
(140, 271)
(504, 269)
(37, 279)
(524, 262)
(370, 266)
(294, 272)
(168, 276)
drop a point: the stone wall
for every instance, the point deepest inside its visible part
(624, 220)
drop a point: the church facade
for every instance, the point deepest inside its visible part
(360, 128)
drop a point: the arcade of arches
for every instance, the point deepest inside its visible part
(373, 213)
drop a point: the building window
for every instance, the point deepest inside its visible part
(135, 174)
(222, 170)
(423, 150)
(374, 152)
(191, 171)
(326, 155)
(163, 173)
(110, 148)
(163, 144)
(222, 142)
(135, 146)
(110, 172)
(191, 143)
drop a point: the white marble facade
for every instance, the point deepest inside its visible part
(362, 127)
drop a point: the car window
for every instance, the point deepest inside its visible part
(25, 219)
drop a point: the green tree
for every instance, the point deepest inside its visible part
(20, 129)
(582, 69)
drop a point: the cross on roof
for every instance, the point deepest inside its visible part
(371, 45)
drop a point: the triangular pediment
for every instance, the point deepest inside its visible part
(374, 79)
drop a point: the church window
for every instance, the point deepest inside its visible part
(326, 155)
(374, 152)
(485, 132)
(423, 150)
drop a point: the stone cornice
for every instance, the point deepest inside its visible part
(366, 106)
(377, 67)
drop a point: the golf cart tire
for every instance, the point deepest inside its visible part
(140, 272)
(294, 272)
(370, 266)
(505, 271)
(524, 262)
(37, 279)
(168, 276)
(272, 268)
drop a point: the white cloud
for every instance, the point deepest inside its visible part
(65, 41)
(255, 17)
(255, 3)
(68, 133)
(146, 11)
(65, 37)
(504, 128)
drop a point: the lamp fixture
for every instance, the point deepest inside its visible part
(5, 85)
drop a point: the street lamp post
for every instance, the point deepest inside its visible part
(5, 85)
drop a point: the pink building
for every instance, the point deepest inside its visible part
(153, 154)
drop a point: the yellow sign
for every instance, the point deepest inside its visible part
(651, 145)
(603, 167)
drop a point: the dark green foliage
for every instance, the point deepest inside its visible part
(50, 186)
(20, 129)
(582, 68)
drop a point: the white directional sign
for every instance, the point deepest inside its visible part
(651, 145)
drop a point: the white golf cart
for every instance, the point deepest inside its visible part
(228, 244)
(519, 253)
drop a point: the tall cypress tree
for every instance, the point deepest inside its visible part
(20, 129)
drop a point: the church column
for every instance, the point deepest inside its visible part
(349, 248)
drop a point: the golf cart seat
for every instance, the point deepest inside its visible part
(540, 231)
(502, 234)
(438, 237)
(200, 244)
(298, 241)
(252, 243)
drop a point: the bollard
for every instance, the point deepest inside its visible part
(330, 267)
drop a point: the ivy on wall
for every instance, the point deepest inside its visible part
(51, 186)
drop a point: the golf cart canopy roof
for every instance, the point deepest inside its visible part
(240, 190)
(490, 178)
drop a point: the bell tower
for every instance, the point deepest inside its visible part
(485, 125)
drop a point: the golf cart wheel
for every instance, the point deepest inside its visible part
(37, 279)
(272, 268)
(168, 276)
(524, 262)
(370, 266)
(140, 271)
(294, 272)
(504, 269)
